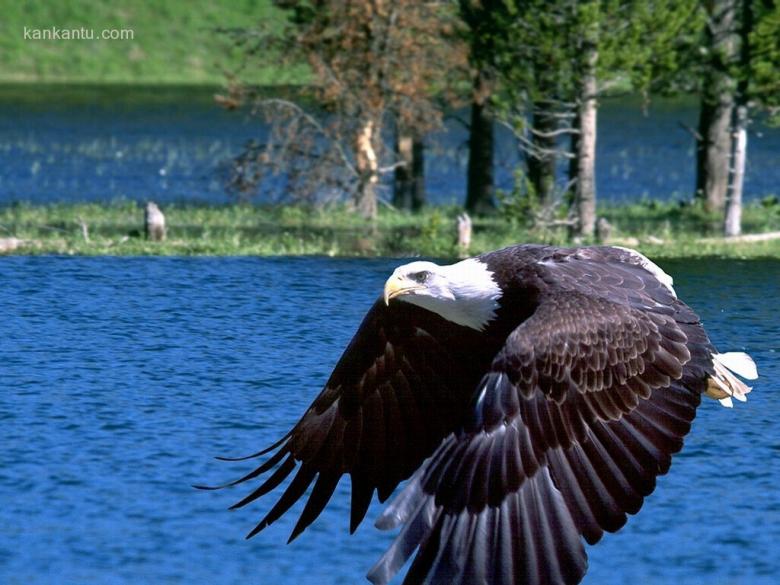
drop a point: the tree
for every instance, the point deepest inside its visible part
(740, 74)
(430, 85)
(636, 39)
(539, 107)
(480, 19)
(366, 56)
(717, 104)
(514, 66)
(764, 53)
(732, 225)
(371, 61)
(587, 90)
(554, 59)
(409, 183)
(480, 171)
(758, 86)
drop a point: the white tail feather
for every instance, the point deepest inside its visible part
(726, 402)
(724, 385)
(738, 362)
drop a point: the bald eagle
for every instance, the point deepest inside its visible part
(531, 396)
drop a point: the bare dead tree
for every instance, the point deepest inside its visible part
(373, 62)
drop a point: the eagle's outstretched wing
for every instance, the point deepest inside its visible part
(398, 389)
(578, 414)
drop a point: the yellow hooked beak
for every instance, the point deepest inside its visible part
(397, 285)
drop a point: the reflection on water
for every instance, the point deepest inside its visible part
(84, 143)
(120, 378)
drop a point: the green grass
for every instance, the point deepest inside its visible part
(659, 230)
(173, 42)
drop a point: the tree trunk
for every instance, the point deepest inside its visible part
(574, 147)
(733, 223)
(479, 193)
(705, 117)
(541, 160)
(585, 190)
(418, 174)
(367, 167)
(715, 117)
(409, 180)
(402, 179)
(714, 152)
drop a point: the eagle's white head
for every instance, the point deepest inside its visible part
(464, 293)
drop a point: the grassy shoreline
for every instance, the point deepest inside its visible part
(661, 230)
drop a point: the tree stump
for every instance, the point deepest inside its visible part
(463, 227)
(154, 222)
(603, 230)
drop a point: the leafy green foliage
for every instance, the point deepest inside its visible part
(534, 46)
(521, 204)
(764, 69)
(660, 45)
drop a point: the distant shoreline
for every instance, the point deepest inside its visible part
(660, 230)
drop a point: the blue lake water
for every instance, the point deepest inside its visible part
(65, 143)
(121, 377)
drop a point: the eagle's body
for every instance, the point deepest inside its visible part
(532, 394)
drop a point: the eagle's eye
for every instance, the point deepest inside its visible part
(421, 276)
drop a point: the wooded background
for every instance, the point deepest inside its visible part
(383, 74)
